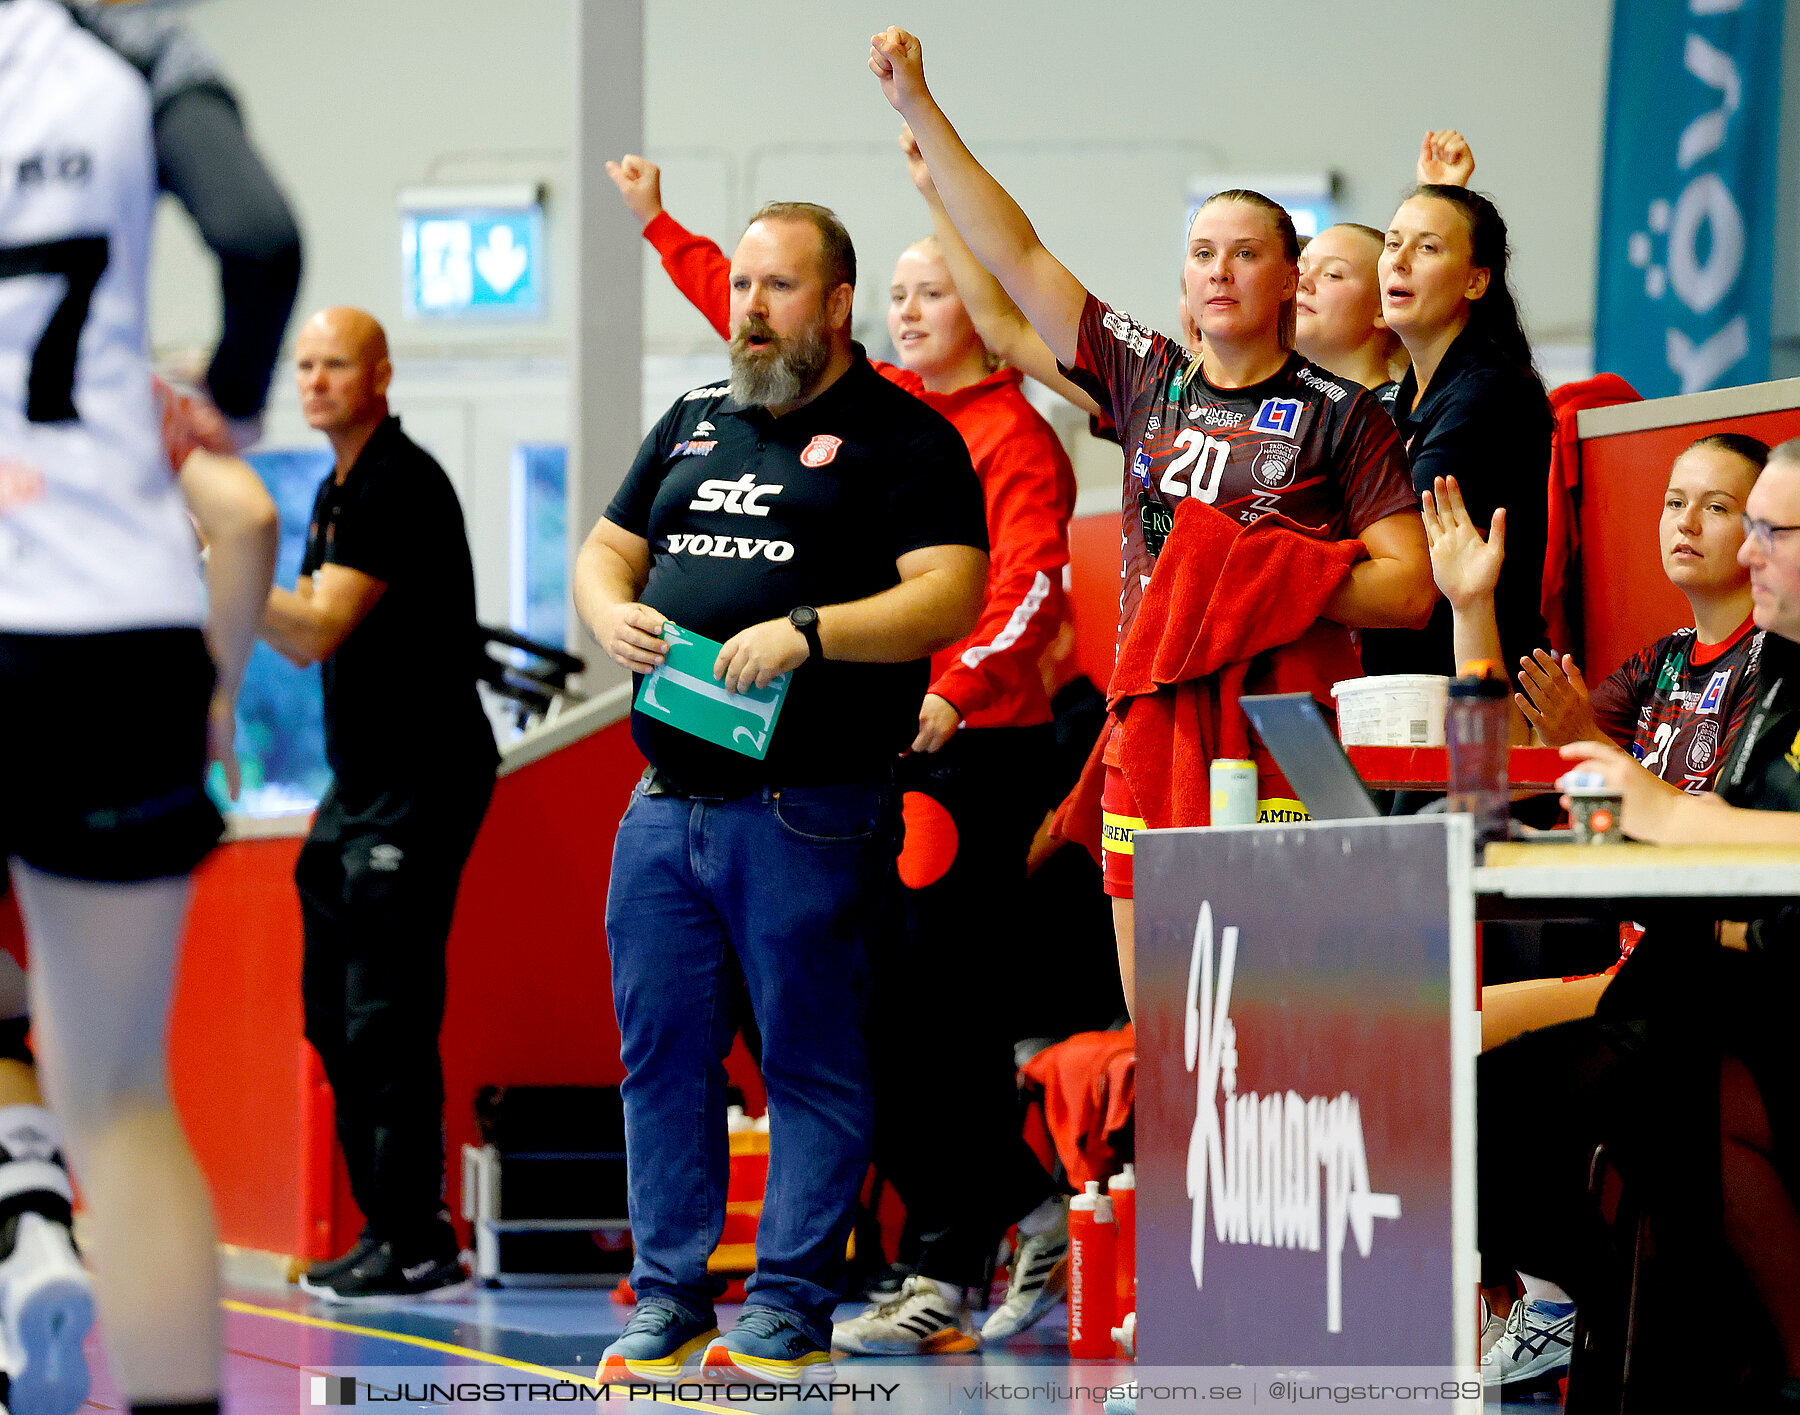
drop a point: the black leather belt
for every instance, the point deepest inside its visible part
(658, 782)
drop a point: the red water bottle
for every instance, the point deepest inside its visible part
(1093, 1245)
(1122, 1190)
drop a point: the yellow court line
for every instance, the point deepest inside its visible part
(447, 1348)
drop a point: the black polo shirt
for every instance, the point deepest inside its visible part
(1487, 422)
(400, 698)
(749, 515)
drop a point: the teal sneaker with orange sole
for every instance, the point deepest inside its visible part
(767, 1346)
(657, 1342)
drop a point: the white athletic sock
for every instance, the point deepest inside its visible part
(33, 1140)
(952, 1292)
(1043, 1218)
(1538, 1290)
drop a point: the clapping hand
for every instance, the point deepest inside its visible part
(1555, 700)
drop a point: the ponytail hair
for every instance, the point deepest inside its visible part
(1496, 313)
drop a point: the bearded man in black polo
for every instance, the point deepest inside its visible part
(817, 521)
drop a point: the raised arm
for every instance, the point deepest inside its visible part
(996, 230)
(700, 270)
(1466, 569)
(999, 322)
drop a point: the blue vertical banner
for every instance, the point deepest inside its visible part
(1687, 223)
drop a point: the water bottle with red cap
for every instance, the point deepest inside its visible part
(1477, 732)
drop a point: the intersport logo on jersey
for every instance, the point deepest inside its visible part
(1279, 1171)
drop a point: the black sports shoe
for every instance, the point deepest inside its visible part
(321, 1274)
(384, 1276)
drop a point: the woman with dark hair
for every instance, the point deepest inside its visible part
(1341, 327)
(1470, 407)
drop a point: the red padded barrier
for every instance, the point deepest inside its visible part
(236, 1054)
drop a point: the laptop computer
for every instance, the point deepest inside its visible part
(1310, 756)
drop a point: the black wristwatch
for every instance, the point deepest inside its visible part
(806, 620)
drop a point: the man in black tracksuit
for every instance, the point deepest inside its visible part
(386, 603)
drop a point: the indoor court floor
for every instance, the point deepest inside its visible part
(281, 1348)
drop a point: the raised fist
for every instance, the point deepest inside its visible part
(639, 181)
(897, 59)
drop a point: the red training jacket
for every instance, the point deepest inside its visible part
(1026, 481)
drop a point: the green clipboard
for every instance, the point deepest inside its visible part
(682, 692)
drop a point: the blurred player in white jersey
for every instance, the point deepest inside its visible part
(100, 589)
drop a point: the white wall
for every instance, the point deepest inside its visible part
(351, 100)
(1095, 115)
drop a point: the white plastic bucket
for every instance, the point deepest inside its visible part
(1396, 710)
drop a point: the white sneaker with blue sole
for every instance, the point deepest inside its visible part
(46, 1308)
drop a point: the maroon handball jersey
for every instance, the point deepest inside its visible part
(1678, 706)
(1316, 448)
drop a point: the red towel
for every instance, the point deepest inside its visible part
(1081, 1093)
(1231, 609)
(1561, 606)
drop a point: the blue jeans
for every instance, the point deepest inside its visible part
(791, 881)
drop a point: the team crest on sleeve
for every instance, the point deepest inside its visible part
(1128, 332)
(821, 450)
(1274, 464)
(1279, 415)
(1715, 690)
